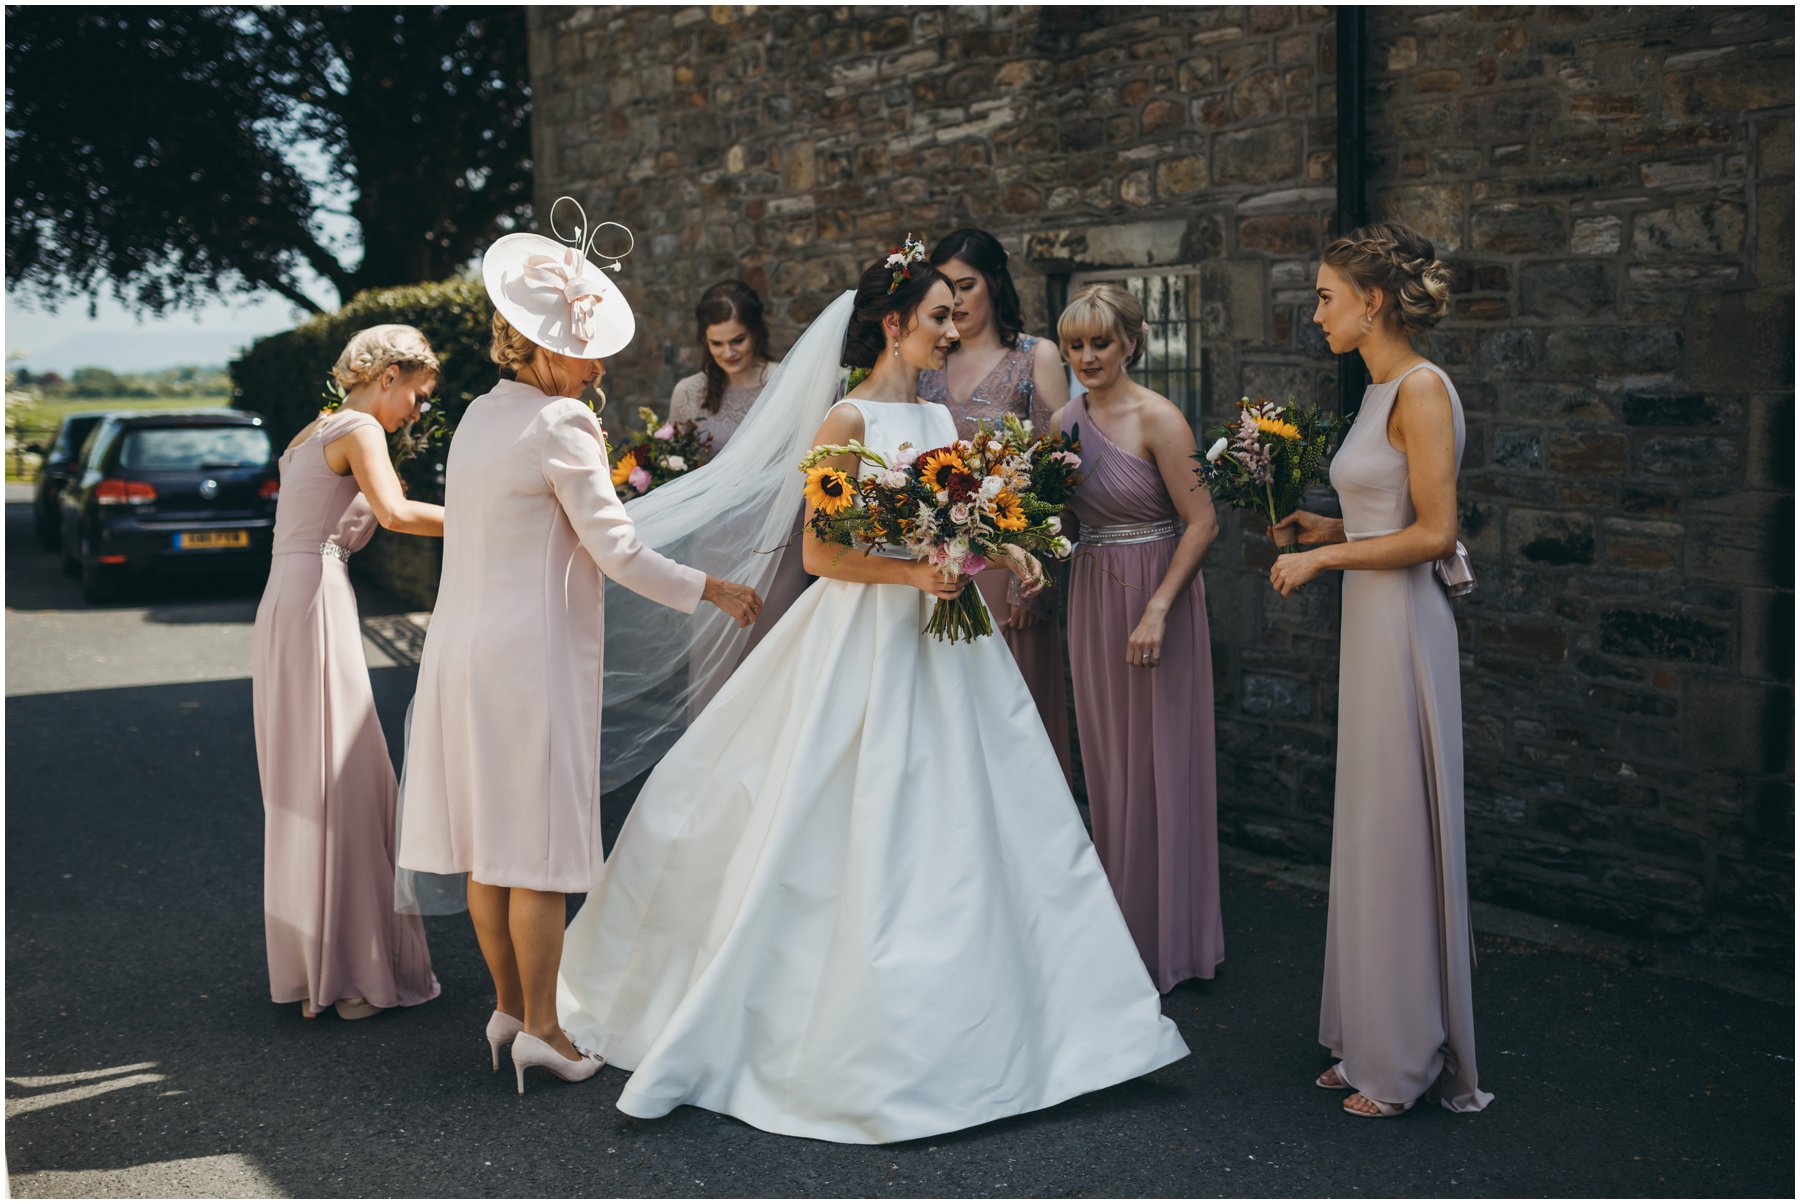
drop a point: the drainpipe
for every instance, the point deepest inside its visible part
(1352, 206)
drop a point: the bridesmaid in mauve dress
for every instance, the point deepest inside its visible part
(328, 786)
(1397, 1008)
(996, 370)
(1139, 650)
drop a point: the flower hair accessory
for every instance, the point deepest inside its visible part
(909, 252)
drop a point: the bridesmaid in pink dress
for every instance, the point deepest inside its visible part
(1397, 1008)
(996, 370)
(1139, 650)
(328, 786)
(503, 759)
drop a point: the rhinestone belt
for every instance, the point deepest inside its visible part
(335, 551)
(1162, 528)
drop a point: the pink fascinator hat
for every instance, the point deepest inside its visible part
(557, 297)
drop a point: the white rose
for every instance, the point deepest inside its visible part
(1054, 523)
(991, 487)
(1215, 451)
(958, 547)
(1060, 546)
(677, 464)
(893, 478)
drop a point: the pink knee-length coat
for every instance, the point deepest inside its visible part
(503, 763)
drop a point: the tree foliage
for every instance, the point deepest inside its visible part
(179, 154)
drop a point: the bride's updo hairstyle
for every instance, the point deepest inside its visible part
(865, 341)
(1398, 259)
(371, 352)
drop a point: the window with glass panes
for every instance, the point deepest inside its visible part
(1171, 362)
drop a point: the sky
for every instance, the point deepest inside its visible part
(114, 338)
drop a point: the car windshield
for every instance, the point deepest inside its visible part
(172, 448)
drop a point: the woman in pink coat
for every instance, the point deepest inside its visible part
(502, 773)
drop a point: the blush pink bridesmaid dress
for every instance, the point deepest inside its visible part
(1397, 1009)
(327, 783)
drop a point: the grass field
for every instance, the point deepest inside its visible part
(43, 416)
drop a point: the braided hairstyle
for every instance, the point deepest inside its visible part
(1399, 260)
(371, 352)
(864, 341)
(728, 301)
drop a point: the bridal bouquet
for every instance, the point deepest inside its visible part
(657, 453)
(956, 506)
(1267, 459)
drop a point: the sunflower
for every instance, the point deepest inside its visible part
(1009, 512)
(1276, 426)
(936, 468)
(621, 472)
(829, 490)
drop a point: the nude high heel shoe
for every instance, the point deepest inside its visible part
(501, 1029)
(528, 1050)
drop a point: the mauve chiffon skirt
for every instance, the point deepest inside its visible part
(1147, 750)
(1038, 652)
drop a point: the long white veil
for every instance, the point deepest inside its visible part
(734, 517)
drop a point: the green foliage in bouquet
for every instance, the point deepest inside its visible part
(1268, 458)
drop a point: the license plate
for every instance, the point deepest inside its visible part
(189, 540)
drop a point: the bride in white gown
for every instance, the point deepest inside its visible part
(855, 901)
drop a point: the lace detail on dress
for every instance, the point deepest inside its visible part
(687, 401)
(1008, 388)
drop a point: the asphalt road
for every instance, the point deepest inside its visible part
(143, 1057)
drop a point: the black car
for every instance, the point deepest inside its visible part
(60, 462)
(169, 491)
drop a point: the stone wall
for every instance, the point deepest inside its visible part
(1615, 189)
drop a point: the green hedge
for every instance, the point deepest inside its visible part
(283, 377)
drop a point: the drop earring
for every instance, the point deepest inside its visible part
(1368, 323)
(896, 351)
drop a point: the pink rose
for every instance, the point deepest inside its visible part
(940, 555)
(973, 564)
(666, 431)
(639, 479)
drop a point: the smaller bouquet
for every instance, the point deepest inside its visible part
(958, 507)
(658, 452)
(1267, 459)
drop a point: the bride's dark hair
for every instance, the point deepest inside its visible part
(864, 341)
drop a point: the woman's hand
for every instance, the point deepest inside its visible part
(1293, 570)
(1312, 528)
(1020, 617)
(1144, 649)
(1026, 568)
(927, 579)
(738, 601)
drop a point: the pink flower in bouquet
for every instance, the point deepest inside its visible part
(940, 556)
(1069, 458)
(973, 564)
(666, 431)
(906, 457)
(639, 479)
(959, 513)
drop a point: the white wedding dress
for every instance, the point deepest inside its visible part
(856, 901)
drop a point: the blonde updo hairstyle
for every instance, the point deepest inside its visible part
(508, 348)
(371, 352)
(1400, 261)
(1104, 309)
